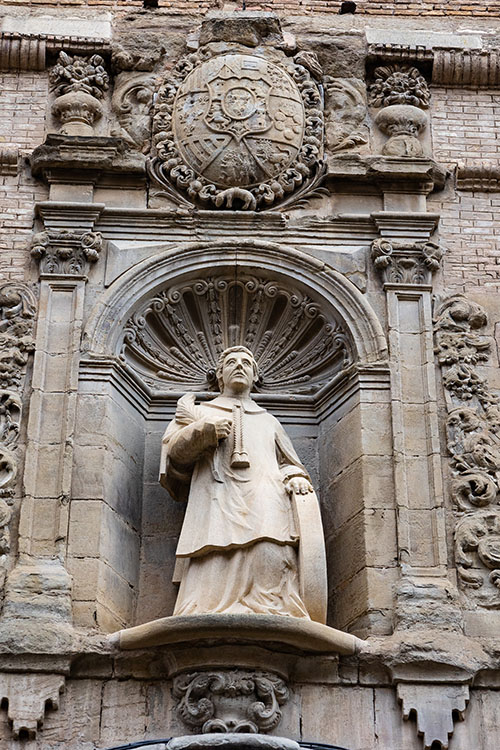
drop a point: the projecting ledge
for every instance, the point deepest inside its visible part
(301, 634)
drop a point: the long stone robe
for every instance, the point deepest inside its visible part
(238, 521)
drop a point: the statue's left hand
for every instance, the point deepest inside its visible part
(298, 485)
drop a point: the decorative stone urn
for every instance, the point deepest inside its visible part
(77, 111)
(402, 123)
(79, 83)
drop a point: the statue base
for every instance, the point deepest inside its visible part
(301, 634)
(231, 741)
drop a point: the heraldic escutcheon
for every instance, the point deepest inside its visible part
(237, 131)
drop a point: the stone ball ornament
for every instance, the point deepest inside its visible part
(236, 131)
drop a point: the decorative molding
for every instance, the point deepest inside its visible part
(9, 158)
(404, 263)
(22, 51)
(436, 708)
(174, 339)
(78, 83)
(473, 439)
(483, 176)
(66, 252)
(400, 53)
(29, 696)
(222, 142)
(466, 67)
(254, 706)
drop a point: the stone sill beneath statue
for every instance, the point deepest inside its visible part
(304, 635)
(375, 169)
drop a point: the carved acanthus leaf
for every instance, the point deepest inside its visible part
(473, 433)
(399, 84)
(66, 252)
(132, 103)
(254, 705)
(404, 263)
(175, 338)
(86, 74)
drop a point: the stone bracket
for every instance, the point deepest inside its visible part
(436, 707)
(29, 696)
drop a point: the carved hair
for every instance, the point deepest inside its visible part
(222, 357)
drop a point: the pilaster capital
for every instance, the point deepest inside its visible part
(66, 252)
(410, 264)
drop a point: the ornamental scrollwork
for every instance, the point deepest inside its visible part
(237, 131)
(473, 441)
(17, 317)
(230, 701)
(404, 263)
(66, 252)
(174, 340)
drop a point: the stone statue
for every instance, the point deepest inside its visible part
(249, 497)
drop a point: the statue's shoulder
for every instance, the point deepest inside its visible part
(187, 411)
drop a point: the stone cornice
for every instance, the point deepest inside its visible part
(483, 176)
(30, 51)
(8, 160)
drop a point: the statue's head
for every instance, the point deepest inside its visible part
(236, 369)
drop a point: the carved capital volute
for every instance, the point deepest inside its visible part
(406, 264)
(66, 252)
(232, 700)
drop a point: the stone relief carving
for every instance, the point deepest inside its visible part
(405, 263)
(29, 696)
(473, 435)
(401, 93)
(17, 314)
(345, 113)
(66, 252)
(230, 701)
(436, 708)
(79, 84)
(132, 103)
(238, 131)
(175, 338)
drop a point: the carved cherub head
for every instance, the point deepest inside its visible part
(237, 369)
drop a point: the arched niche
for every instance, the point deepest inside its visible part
(155, 333)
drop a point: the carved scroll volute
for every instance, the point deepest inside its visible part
(66, 252)
(473, 433)
(230, 701)
(17, 314)
(406, 263)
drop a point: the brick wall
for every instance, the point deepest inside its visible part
(22, 104)
(475, 8)
(466, 127)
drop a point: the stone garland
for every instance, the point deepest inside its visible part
(473, 440)
(400, 93)
(17, 314)
(199, 131)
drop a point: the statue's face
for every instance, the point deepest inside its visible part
(238, 372)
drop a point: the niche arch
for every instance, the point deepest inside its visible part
(327, 421)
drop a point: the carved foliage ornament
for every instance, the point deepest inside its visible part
(473, 432)
(66, 252)
(345, 125)
(238, 131)
(78, 83)
(399, 84)
(403, 263)
(230, 701)
(17, 314)
(175, 338)
(132, 103)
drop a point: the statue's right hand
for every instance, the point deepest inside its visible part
(223, 428)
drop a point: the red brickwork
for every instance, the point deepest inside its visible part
(22, 103)
(466, 127)
(482, 8)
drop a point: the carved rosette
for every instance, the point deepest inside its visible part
(175, 338)
(17, 315)
(473, 438)
(405, 263)
(79, 84)
(238, 131)
(66, 252)
(230, 701)
(401, 93)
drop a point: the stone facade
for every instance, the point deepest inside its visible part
(320, 188)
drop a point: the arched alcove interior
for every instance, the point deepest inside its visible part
(155, 334)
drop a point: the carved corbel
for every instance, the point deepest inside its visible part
(435, 707)
(79, 84)
(405, 263)
(28, 697)
(230, 701)
(66, 252)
